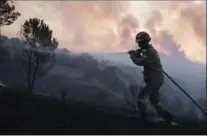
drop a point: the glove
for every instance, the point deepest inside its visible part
(139, 51)
(136, 53)
(132, 53)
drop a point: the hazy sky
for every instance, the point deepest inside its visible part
(106, 26)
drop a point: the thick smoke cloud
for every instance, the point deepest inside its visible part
(187, 24)
(106, 26)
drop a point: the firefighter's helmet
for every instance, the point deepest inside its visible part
(143, 37)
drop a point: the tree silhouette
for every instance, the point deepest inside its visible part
(4, 53)
(7, 12)
(38, 55)
(206, 97)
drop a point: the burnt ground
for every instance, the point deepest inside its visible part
(21, 113)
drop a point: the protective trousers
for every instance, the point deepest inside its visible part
(151, 91)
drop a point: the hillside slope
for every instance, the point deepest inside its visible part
(22, 113)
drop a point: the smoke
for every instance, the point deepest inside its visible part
(162, 39)
(95, 81)
(185, 23)
(107, 26)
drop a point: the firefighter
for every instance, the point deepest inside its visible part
(148, 57)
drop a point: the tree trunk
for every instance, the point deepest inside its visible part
(29, 73)
(35, 72)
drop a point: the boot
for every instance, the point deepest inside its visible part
(167, 116)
